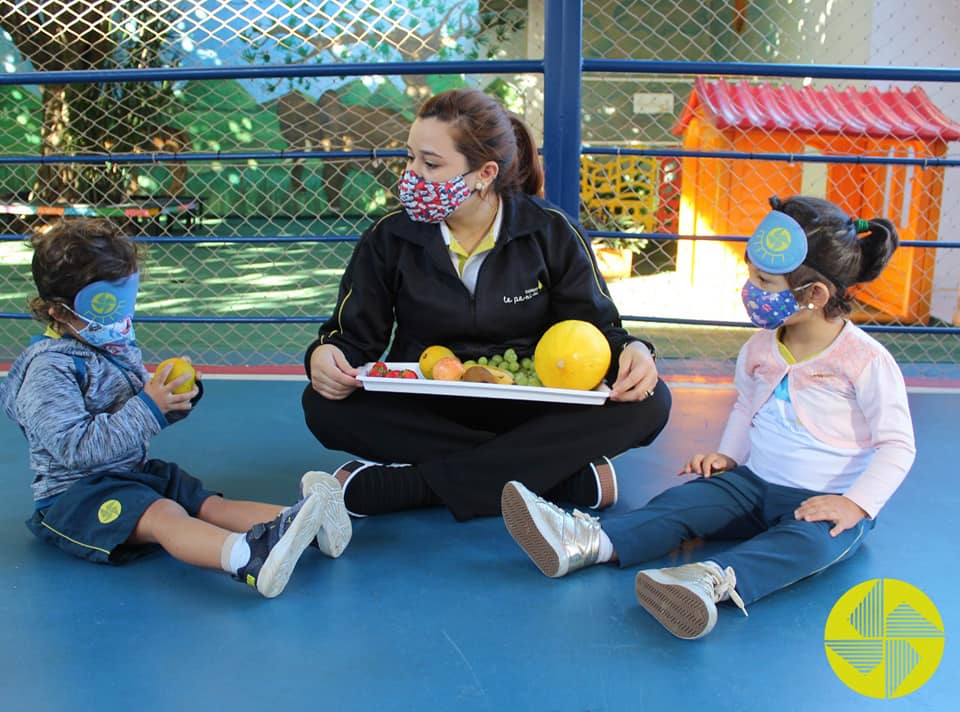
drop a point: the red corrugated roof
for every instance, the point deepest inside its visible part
(869, 112)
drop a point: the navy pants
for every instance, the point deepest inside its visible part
(774, 549)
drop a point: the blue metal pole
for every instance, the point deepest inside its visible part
(562, 70)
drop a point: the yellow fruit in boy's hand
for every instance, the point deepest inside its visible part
(180, 367)
(429, 358)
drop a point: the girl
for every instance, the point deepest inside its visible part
(475, 261)
(819, 438)
(88, 407)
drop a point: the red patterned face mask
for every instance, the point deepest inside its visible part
(429, 201)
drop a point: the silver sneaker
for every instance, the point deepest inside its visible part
(683, 598)
(335, 530)
(557, 542)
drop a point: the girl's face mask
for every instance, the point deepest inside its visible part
(429, 201)
(769, 310)
(107, 309)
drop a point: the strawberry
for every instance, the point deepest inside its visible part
(408, 373)
(393, 373)
(379, 369)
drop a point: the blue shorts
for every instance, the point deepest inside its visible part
(95, 517)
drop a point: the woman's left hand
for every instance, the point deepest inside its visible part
(637, 374)
(843, 512)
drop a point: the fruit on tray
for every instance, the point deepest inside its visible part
(430, 356)
(572, 354)
(448, 368)
(487, 374)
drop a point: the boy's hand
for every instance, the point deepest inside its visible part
(843, 512)
(162, 392)
(708, 465)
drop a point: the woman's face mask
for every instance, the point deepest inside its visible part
(430, 201)
(769, 310)
(107, 309)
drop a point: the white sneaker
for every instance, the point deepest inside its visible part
(335, 530)
(683, 598)
(556, 541)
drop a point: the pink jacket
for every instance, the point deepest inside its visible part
(851, 394)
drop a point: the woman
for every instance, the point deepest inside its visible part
(478, 262)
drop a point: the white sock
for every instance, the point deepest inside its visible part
(606, 548)
(235, 553)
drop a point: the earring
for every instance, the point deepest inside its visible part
(811, 305)
(480, 187)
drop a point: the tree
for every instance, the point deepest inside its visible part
(105, 117)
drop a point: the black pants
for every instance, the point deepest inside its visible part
(467, 449)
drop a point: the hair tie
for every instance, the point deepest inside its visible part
(861, 226)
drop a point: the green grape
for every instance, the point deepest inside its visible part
(510, 356)
(511, 366)
(482, 361)
(534, 382)
(468, 364)
(527, 363)
(521, 379)
(496, 360)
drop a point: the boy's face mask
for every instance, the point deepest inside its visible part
(429, 201)
(107, 308)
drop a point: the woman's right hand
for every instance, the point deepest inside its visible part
(331, 375)
(707, 465)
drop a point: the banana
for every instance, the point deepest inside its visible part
(488, 374)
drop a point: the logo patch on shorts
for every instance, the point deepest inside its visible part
(109, 511)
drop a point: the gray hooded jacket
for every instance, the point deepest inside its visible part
(82, 410)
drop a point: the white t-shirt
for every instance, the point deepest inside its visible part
(783, 452)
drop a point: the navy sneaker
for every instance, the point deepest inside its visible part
(275, 547)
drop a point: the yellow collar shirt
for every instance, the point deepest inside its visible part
(468, 266)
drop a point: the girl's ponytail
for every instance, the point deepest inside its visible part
(876, 248)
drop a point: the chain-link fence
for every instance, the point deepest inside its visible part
(220, 226)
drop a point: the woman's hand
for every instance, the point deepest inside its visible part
(709, 464)
(162, 392)
(637, 374)
(843, 512)
(331, 375)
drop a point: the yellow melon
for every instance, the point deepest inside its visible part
(572, 354)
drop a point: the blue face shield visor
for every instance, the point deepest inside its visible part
(778, 245)
(107, 308)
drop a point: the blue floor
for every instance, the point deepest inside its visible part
(422, 613)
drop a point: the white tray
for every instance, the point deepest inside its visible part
(425, 386)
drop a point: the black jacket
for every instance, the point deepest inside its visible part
(541, 271)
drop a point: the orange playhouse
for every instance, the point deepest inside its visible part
(722, 196)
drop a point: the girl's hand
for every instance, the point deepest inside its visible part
(707, 465)
(637, 374)
(162, 392)
(331, 375)
(843, 512)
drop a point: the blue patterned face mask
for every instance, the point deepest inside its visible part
(769, 310)
(107, 308)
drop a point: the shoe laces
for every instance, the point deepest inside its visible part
(724, 586)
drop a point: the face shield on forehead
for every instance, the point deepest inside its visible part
(108, 302)
(778, 245)
(107, 307)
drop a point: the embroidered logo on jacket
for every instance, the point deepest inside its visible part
(527, 295)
